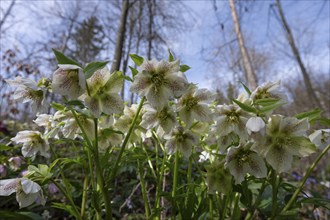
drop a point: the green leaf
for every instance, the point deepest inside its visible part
(246, 88)
(134, 71)
(324, 121)
(170, 56)
(57, 106)
(75, 103)
(245, 107)
(62, 59)
(92, 67)
(109, 131)
(128, 78)
(137, 59)
(65, 207)
(184, 68)
(271, 107)
(4, 147)
(19, 215)
(266, 102)
(311, 115)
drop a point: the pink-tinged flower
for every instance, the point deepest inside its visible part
(15, 163)
(27, 191)
(3, 171)
(158, 81)
(241, 160)
(103, 92)
(269, 90)
(28, 91)
(321, 138)
(231, 118)
(69, 80)
(285, 138)
(33, 142)
(52, 188)
(163, 120)
(180, 139)
(194, 105)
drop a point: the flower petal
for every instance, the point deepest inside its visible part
(8, 186)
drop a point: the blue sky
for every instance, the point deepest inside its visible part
(259, 27)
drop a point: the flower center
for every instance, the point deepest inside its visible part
(190, 102)
(157, 79)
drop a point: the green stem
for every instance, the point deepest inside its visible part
(188, 180)
(176, 171)
(175, 179)
(144, 191)
(211, 206)
(224, 212)
(99, 175)
(275, 184)
(84, 198)
(69, 198)
(257, 201)
(302, 183)
(115, 168)
(160, 177)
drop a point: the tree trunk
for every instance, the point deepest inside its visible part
(248, 69)
(120, 37)
(289, 36)
(151, 22)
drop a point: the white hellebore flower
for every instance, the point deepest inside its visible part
(255, 124)
(321, 138)
(241, 160)
(27, 191)
(158, 81)
(180, 139)
(164, 120)
(33, 142)
(104, 88)
(194, 105)
(269, 90)
(69, 80)
(46, 121)
(285, 138)
(28, 91)
(231, 118)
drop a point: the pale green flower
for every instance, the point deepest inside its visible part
(33, 142)
(158, 81)
(27, 191)
(108, 136)
(69, 80)
(321, 138)
(231, 118)
(285, 138)
(104, 88)
(194, 105)
(241, 160)
(164, 120)
(46, 121)
(218, 179)
(180, 139)
(269, 90)
(124, 122)
(28, 91)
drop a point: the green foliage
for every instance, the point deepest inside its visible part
(62, 59)
(137, 59)
(92, 67)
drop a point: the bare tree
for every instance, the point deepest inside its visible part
(248, 68)
(7, 13)
(120, 37)
(295, 51)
